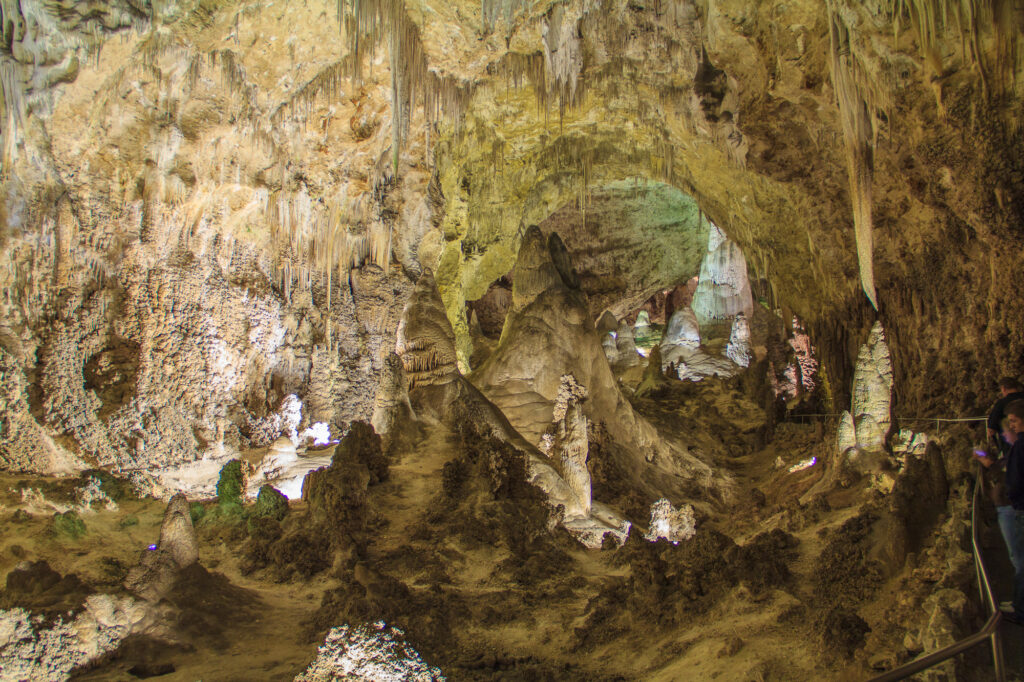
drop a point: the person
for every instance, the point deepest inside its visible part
(994, 474)
(1010, 389)
(1015, 494)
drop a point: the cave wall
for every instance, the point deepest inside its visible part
(184, 180)
(736, 103)
(192, 233)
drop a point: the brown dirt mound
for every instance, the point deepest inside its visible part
(337, 517)
(209, 605)
(843, 631)
(39, 589)
(669, 583)
(846, 575)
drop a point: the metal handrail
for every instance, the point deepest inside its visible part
(895, 419)
(990, 631)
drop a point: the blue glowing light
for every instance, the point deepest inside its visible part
(151, 547)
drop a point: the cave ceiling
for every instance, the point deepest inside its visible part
(430, 134)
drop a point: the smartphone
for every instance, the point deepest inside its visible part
(980, 453)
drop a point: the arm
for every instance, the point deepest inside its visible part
(994, 417)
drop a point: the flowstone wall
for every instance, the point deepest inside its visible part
(176, 356)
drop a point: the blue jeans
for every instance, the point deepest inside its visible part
(1015, 540)
(1007, 524)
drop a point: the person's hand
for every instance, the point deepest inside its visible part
(983, 458)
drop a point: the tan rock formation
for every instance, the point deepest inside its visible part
(178, 548)
(653, 381)
(444, 395)
(723, 290)
(872, 391)
(607, 323)
(610, 347)
(25, 446)
(738, 349)
(642, 326)
(625, 347)
(425, 341)
(674, 525)
(570, 447)
(681, 335)
(391, 406)
(553, 335)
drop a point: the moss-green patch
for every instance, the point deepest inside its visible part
(69, 524)
(270, 503)
(230, 486)
(197, 511)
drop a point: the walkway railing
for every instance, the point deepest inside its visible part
(916, 420)
(990, 631)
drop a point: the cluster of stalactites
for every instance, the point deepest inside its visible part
(367, 23)
(968, 21)
(313, 239)
(862, 91)
(493, 10)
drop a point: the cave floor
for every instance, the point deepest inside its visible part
(537, 623)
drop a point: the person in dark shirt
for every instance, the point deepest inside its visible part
(1011, 389)
(994, 474)
(1015, 494)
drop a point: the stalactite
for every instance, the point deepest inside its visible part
(492, 10)
(367, 23)
(326, 83)
(857, 102)
(931, 20)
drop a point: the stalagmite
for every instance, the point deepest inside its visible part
(738, 349)
(682, 330)
(872, 391)
(570, 445)
(625, 347)
(178, 548)
(863, 431)
(674, 525)
(653, 381)
(846, 434)
(723, 289)
(642, 326)
(391, 406)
